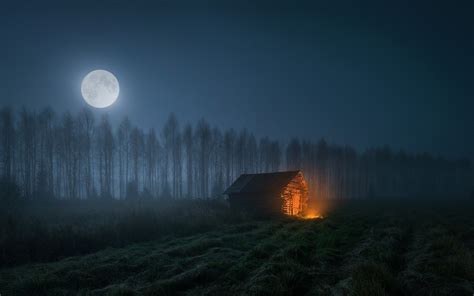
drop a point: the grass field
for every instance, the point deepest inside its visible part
(360, 248)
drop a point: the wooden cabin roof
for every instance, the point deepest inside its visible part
(259, 183)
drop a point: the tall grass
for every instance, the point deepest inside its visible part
(359, 248)
(44, 232)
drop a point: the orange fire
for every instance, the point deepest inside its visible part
(313, 215)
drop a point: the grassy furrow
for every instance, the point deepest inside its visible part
(356, 250)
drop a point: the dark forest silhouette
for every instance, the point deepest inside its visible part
(77, 156)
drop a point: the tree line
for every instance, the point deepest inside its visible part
(45, 155)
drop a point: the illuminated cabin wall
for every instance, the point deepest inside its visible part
(270, 194)
(295, 196)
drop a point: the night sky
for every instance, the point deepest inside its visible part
(355, 72)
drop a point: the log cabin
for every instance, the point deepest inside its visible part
(270, 193)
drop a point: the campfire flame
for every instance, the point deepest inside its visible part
(311, 214)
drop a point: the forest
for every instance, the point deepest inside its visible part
(45, 155)
(89, 207)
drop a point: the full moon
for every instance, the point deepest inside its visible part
(100, 88)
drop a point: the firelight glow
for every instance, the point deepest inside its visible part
(100, 88)
(313, 215)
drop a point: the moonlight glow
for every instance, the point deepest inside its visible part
(100, 88)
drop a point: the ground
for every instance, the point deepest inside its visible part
(364, 248)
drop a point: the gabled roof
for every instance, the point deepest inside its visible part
(259, 183)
